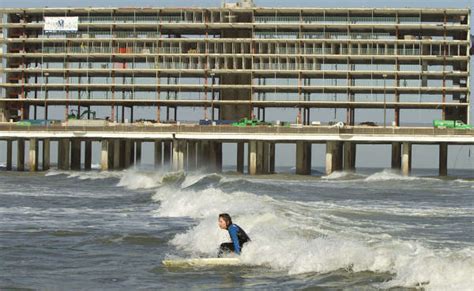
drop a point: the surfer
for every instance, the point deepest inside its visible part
(237, 235)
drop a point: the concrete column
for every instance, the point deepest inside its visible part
(240, 157)
(76, 154)
(138, 152)
(339, 152)
(158, 154)
(127, 153)
(212, 166)
(260, 160)
(178, 155)
(396, 155)
(192, 163)
(253, 157)
(104, 155)
(303, 158)
(9, 154)
(204, 155)
(272, 157)
(20, 155)
(131, 154)
(88, 155)
(123, 154)
(443, 159)
(265, 157)
(64, 154)
(110, 154)
(349, 156)
(33, 153)
(406, 159)
(46, 154)
(330, 157)
(116, 163)
(218, 166)
(166, 153)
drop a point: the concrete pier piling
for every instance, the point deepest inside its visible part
(191, 153)
(75, 154)
(396, 155)
(303, 158)
(46, 154)
(88, 155)
(349, 156)
(20, 154)
(443, 159)
(9, 155)
(240, 157)
(104, 155)
(33, 155)
(158, 154)
(406, 158)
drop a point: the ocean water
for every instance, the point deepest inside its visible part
(369, 230)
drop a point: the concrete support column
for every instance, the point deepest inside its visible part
(20, 155)
(166, 153)
(406, 159)
(116, 154)
(76, 154)
(64, 154)
(349, 156)
(192, 163)
(330, 157)
(33, 154)
(272, 149)
(396, 155)
(46, 154)
(123, 154)
(240, 157)
(253, 161)
(158, 154)
(138, 152)
(212, 157)
(260, 157)
(104, 155)
(218, 166)
(127, 153)
(443, 159)
(265, 157)
(204, 155)
(88, 155)
(178, 155)
(339, 152)
(303, 158)
(9, 154)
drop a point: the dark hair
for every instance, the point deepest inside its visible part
(226, 218)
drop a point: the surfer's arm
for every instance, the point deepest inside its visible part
(234, 238)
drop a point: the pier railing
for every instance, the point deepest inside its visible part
(245, 130)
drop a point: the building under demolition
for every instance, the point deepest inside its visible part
(234, 61)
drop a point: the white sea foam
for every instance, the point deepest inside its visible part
(87, 175)
(287, 237)
(335, 175)
(391, 175)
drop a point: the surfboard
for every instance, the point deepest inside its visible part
(202, 262)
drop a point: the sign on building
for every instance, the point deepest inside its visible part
(61, 24)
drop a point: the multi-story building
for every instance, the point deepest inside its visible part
(235, 60)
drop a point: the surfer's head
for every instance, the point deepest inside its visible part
(224, 220)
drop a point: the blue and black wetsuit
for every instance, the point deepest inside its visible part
(238, 237)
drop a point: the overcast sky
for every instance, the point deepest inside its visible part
(459, 156)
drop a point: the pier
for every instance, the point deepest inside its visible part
(192, 147)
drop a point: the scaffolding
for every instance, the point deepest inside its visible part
(130, 56)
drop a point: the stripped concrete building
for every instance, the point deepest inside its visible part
(232, 62)
(235, 60)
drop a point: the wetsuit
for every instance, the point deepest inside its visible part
(238, 237)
